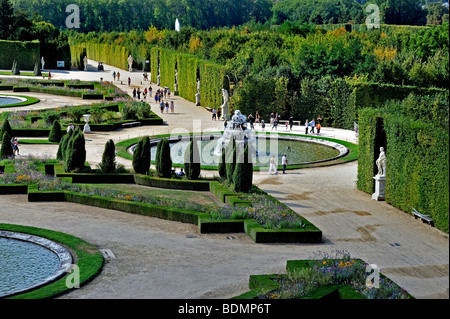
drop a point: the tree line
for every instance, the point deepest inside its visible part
(121, 15)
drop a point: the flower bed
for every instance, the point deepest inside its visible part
(331, 276)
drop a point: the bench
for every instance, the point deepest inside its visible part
(208, 108)
(131, 124)
(286, 121)
(425, 218)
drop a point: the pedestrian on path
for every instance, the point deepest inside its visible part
(118, 76)
(172, 106)
(129, 81)
(273, 167)
(291, 123)
(114, 75)
(284, 162)
(134, 93)
(318, 126)
(161, 106)
(214, 114)
(312, 123)
(138, 93)
(167, 107)
(306, 127)
(150, 91)
(257, 117)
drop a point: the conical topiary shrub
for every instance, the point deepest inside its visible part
(192, 165)
(230, 153)
(108, 164)
(61, 153)
(6, 151)
(222, 165)
(75, 155)
(163, 160)
(37, 69)
(6, 127)
(243, 172)
(141, 156)
(55, 132)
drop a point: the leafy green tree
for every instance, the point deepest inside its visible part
(108, 164)
(6, 18)
(231, 153)
(222, 165)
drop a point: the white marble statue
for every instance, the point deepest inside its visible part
(381, 163)
(158, 80)
(130, 63)
(224, 106)
(197, 98)
(85, 62)
(198, 85)
(42, 62)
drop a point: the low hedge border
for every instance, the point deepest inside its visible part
(193, 185)
(88, 258)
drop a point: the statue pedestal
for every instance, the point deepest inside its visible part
(87, 129)
(380, 188)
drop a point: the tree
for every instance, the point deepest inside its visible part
(243, 173)
(222, 165)
(61, 153)
(6, 18)
(141, 156)
(6, 150)
(55, 132)
(192, 160)
(75, 154)
(108, 164)
(163, 160)
(6, 127)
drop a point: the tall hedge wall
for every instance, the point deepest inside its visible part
(417, 165)
(26, 53)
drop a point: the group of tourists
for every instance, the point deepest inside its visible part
(166, 105)
(273, 164)
(310, 126)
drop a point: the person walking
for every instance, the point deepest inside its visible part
(275, 124)
(250, 120)
(284, 162)
(118, 76)
(167, 107)
(134, 93)
(156, 97)
(306, 126)
(291, 123)
(129, 81)
(272, 117)
(172, 106)
(318, 126)
(313, 125)
(273, 166)
(138, 92)
(114, 75)
(214, 114)
(150, 91)
(257, 117)
(161, 106)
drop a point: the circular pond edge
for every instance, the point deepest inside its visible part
(343, 150)
(64, 256)
(25, 100)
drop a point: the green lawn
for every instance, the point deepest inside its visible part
(44, 74)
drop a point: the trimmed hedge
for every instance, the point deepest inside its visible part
(417, 163)
(26, 53)
(199, 186)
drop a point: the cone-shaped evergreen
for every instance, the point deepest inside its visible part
(230, 160)
(55, 132)
(192, 160)
(63, 145)
(163, 160)
(108, 164)
(6, 127)
(141, 156)
(222, 165)
(75, 152)
(6, 150)
(243, 173)
(37, 69)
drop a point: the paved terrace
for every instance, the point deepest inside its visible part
(157, 259)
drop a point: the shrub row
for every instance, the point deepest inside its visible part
(25, 53)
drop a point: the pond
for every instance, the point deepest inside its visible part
(9, 100)
(27, 264)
